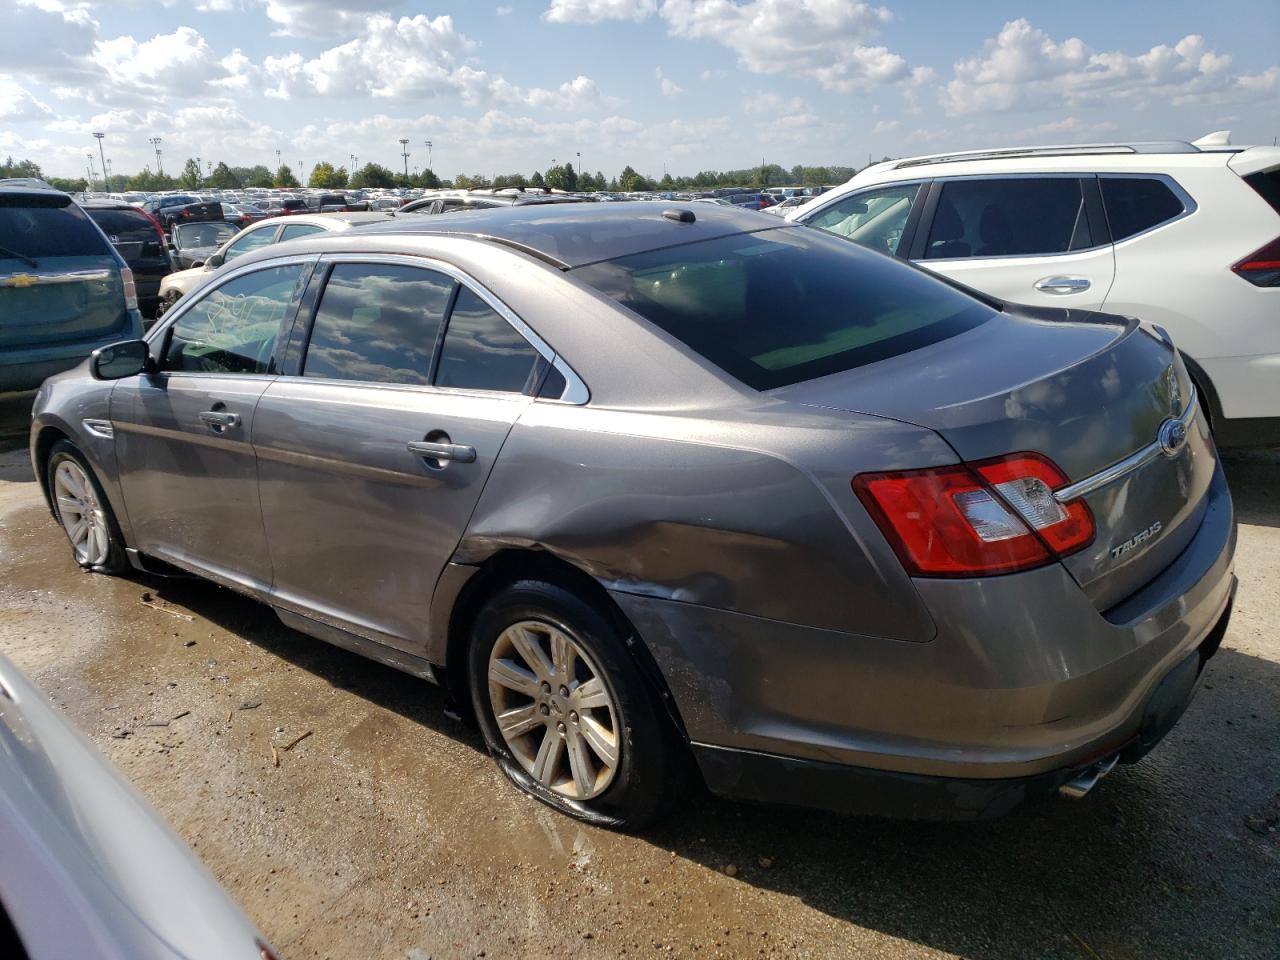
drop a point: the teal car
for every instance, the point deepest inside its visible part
(64, 291)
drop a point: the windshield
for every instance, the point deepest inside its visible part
(53, 226)
(780, 306)
(209, 234)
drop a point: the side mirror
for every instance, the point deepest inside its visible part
(128, 358)
(214, 262)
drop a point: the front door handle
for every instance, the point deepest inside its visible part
(220, 420)
(1062, 285)
(457, 452)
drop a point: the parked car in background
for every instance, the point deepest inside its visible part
(242, 214)
(258, 235)
(782, 206)
(137, 237)
(1180, 234)
(64, 289)
(180, 208)
(655, 482)
(194, 243)
(467, 201)
(87, 868)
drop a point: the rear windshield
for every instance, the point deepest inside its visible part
(47, 228)
(124, 224)
(781, 306)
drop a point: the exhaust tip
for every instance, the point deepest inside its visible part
(1079, 786)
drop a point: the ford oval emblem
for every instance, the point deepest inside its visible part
(1172, 435)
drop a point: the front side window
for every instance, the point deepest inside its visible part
(482, 351)
(783, 305)
(1012, 217)
(1135, 204)
(249, 241)
(378, 323)
(233, 328)
(874, 218)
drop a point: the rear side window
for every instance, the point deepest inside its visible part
(1013, 217)
(378, 323)
(874, 218)
(1135, 204)
(482, 351)
(52, 227)
(124, 225)
(1267, 185)
(296, 230)
(785, 305)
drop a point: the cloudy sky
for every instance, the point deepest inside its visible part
(689, 84)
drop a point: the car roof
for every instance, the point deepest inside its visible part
(574, 234)
(92, 204)
(354, 218)
(16, 190)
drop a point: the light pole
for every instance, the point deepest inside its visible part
(579, 164)
(198, 177)
(404, 149)
(353, 165)
(155, 145)
(427, 143)
(101, 152)
(92, 178)
(277, 159)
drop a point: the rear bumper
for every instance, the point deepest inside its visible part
(1025, 683)
(25, 368)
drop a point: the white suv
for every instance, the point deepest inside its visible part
(1183, 235)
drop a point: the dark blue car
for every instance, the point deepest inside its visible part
(64, 290)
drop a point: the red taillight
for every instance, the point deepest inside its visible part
(130, 289)
(1262, 267)
(997, 516)
(155, 223)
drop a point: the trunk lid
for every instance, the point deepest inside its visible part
(1085, 390)
(66, 299)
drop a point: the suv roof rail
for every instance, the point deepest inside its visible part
(1062, 150)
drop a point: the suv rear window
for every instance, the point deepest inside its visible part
(779, 306)
(1135, 204)
(126, 224)
(49, 226)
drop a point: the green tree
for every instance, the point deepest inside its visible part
(629, 180)
(190, 177)
(321, 175)
(148, 181)
(510, 180)
(600, 182)
(537, 181)
(373, 175)
(475, 181)
(284, 177)
(667, 182)
(20, 168)
(68, 184)
(223, 178)
(255, 176)
(429, 180)
(339, 179)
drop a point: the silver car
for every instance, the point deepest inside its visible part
(645, 484)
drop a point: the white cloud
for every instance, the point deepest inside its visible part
(594, 11)
(1023, 68)
(885, 126)
(322, 18)
(178, 63)
(504, 11)
(669, 87)
(825, 40)
(18, 105)
(46, 40)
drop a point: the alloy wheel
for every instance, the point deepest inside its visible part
(554, 710)
(81, 514)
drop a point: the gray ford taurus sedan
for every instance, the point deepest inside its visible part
(644, 484)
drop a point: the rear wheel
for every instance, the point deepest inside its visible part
(83, 510)
(564, 711)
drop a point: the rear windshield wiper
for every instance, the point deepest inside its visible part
(6, 252)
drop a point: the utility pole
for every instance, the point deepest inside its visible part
(155, 145)
(102, 152)
(404, 149)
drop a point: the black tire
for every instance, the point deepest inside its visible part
(652, 762)
(115, 562)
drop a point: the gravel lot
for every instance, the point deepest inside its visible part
(387, 833)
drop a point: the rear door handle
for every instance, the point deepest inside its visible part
(1063, 285)
(457, 452)
(220, 420)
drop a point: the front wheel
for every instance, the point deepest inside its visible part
(564, 711)
(82, 509)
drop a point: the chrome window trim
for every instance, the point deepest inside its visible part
(1135, 461)
(575, 392)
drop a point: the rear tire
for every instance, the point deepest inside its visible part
(84, 511)
(565, 712)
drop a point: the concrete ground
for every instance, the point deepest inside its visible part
(387, 833)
